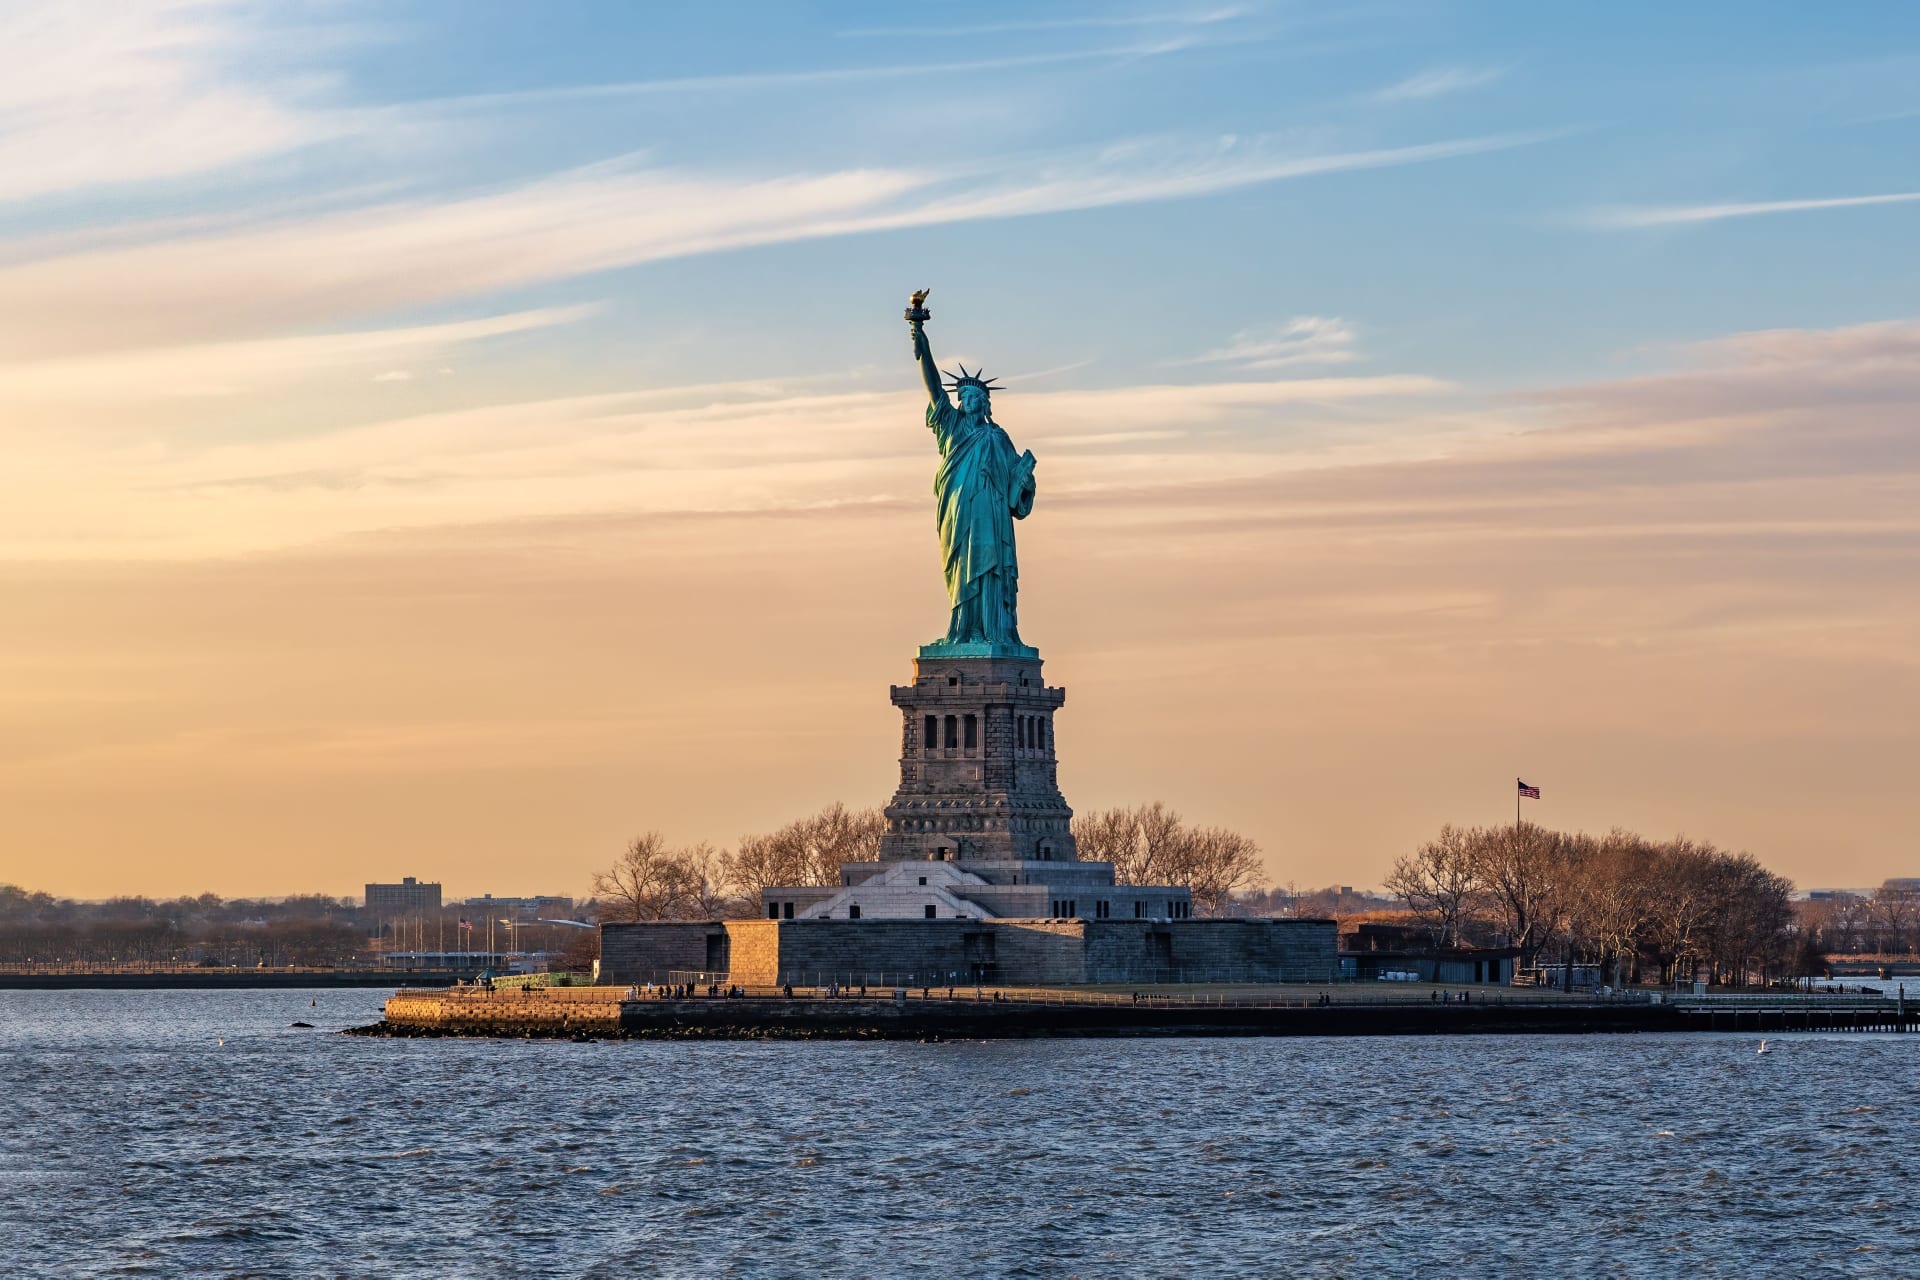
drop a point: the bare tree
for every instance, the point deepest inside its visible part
(1108, 835)
(1680, 904)
(1848, 923)
(1522, 868)
(1607, 897)
(703, 889)
(1146, 845)
(1152, 844)
(1439, 884)
(649, 881)
(1219, 862)
(1163, 847)
(1892, 910)
(807, 851)
(1749, 925)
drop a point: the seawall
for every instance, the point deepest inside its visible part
(607, 1012)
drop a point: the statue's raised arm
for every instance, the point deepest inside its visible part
(917, 317)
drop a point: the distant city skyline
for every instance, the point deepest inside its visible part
(463, 437)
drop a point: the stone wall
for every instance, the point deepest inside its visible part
(511, 1011)
(1211, 951)
(1041, 952)
(649, 951)
(753, 955)
(878, 951)
(986, 786)
(1022, 952)
(1016, 952)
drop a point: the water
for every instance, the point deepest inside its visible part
(137, 1144)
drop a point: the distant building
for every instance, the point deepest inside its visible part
(468, 962)
(540, 904)
(408, 898)
(1386, 952)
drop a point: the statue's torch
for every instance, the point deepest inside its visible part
(917, 313)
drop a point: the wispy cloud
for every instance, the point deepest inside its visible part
(1438, 83)
(1301, 340)
(99, 94)
(313, 270)
(1178, 17)
(756, 81)
(222, 369)
(708, 448)
(1748, 593)
(1853, 378)
(1671, 215)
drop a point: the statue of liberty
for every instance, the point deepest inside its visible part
(982, 486)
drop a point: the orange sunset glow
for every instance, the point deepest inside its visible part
(456, 480)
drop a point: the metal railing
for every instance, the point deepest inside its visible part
(1783, 1000)
(1308, 995)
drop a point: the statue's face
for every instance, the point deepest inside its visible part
(973, 400)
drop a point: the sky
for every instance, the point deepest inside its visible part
(449, 439)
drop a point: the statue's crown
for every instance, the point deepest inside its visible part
(974, 379)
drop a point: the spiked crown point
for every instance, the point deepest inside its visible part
(974, 379)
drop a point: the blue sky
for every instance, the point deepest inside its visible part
(1470, 389)
(1503, 264)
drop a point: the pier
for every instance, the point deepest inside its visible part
(1796, 1013)
(153, 977)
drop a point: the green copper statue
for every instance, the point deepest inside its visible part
(981, 488)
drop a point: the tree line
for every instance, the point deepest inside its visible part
(1151, 844)
(1881, 922)
(1640, 909)
(305, 929)
(654, 879)
(38, 928)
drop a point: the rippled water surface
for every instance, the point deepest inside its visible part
(194, 1133)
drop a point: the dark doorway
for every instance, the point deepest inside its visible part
(977, 950)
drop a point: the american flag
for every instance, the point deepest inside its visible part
(1531, 793)
(465, 923)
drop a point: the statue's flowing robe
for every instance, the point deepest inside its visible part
(981, 488)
